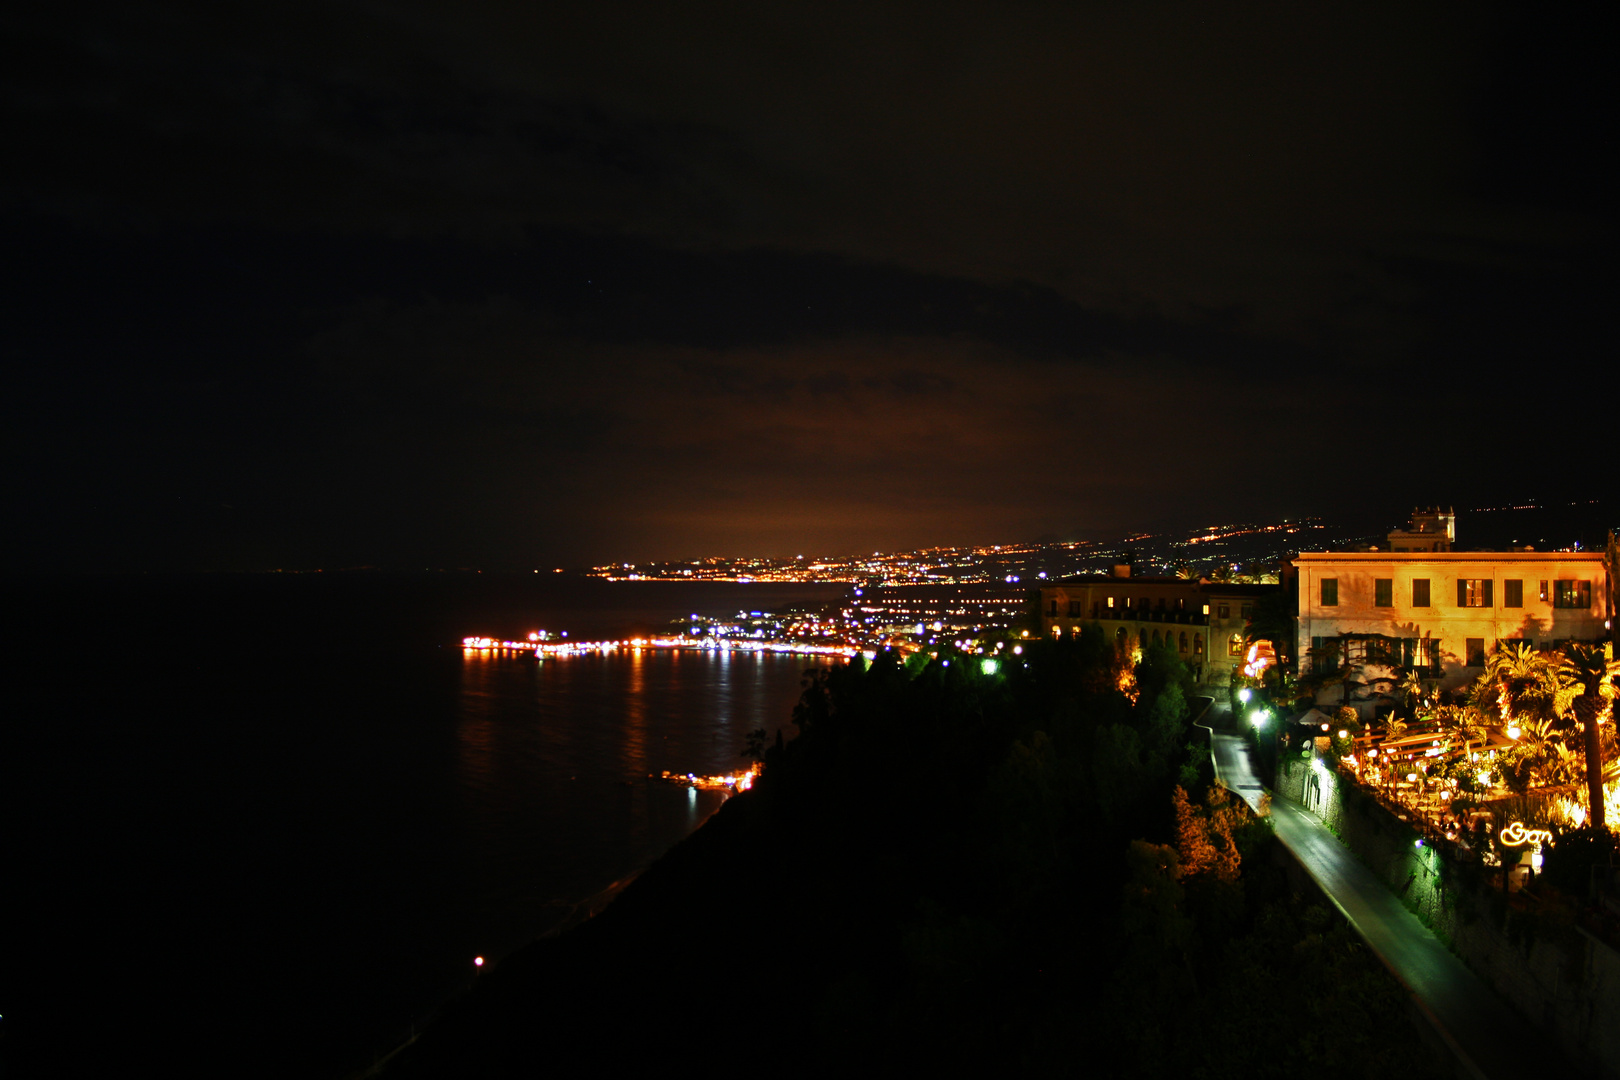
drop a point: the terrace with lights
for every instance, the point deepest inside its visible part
(1514, 772)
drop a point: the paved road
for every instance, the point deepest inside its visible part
(1467, 1015)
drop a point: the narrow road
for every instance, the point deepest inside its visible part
(1467, 1015)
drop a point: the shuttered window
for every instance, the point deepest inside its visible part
(1420, 592)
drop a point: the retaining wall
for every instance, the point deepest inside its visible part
(1549, 969)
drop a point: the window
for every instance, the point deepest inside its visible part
(1421, 653)
(1420, 592)
(1110, 601)
(1330, 592)
(1198, 646)
(1053, 612)
(1513, 593)
(1247, 610)
(1543, 593)
(1234, 647)
(1572, 594)
(1474, 592)
(1183, 641)
(1324, 654)
(1075, 609)
(1384, 592)
(1475, 648)
(1223, 611)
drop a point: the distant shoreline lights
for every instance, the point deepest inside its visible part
(542, 649)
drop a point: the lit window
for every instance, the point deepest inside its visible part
(1572, 594)
(1474, 592)
(1234, 647)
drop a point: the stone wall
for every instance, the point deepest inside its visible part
(1549, 969)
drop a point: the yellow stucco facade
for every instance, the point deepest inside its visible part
(1447, 612)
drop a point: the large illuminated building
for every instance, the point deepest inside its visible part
(1203, 621)
(1367, 617)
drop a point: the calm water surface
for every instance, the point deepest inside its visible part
(269, 823)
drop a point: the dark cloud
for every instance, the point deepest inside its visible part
(456, 284)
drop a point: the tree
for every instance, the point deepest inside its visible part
(1525, 685)
(1585, 667)
(1464, 724)
(1413, 689)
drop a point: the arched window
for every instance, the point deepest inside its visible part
(1198, 646)
(1184, 641)
(1155, 639)
(1234, 647)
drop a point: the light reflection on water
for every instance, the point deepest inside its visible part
(293, 836)
(553, 758)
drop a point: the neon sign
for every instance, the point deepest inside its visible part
(1516, 834)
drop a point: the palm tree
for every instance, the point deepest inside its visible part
(1559, 766)
(1463, 723)
(1526, 686)
(1412, 689)
(1585, 667)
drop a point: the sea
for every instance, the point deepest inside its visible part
(261, 825)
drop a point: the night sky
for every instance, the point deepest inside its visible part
(515, 285)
